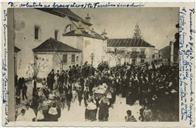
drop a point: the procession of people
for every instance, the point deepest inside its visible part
(155, 87)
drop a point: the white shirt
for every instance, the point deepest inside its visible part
(21, 117)
(29, 114)
(91, 106)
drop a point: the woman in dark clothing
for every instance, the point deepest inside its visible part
(35, 102)
(124, 87)
(50, 79)
(16, 83)
(104, 110)
(24, 92)
(19, 87)
(80, 94)
(24, 89)
(69, 99)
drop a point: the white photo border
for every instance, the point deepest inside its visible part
(186, 64)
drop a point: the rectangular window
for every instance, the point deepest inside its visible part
(65, 58)
(77, 58)
(36, 32)
(73, 58)
(56, 34)
(143, 52)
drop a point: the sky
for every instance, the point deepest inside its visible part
(158, 25)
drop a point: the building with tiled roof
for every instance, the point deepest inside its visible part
(52, 45)
(128, 42)
(56, 54)
(130, 50)
(88, 40)
(80, 34)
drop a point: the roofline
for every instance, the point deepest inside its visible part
(123, 38)
(128, 46)
(52, 51)
(131, 46)
(83, 36)
(64, 15)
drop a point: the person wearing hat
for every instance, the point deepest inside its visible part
(104, 109)
(69, 99)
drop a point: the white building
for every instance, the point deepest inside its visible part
(91, 43)
(135, 51)
(130, 50)
(34, 26)
(53, 54)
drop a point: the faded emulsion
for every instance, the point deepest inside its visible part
(98, 65)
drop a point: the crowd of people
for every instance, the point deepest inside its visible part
(156, 89)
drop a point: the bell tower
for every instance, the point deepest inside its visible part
(137, 32)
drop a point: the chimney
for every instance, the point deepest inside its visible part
(92, 31)
(104, 34)
(87, 18)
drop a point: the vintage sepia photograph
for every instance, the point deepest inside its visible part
(95, 65)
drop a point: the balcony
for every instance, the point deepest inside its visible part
(142, 55)
(136, 54)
